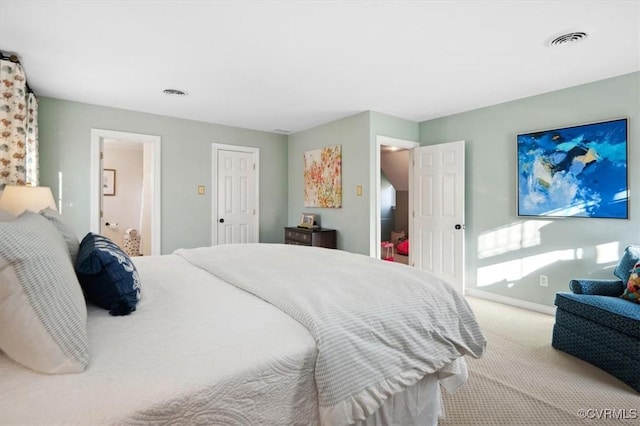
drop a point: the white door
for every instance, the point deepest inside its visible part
(437, 206)
(236, 195)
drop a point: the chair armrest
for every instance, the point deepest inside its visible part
(597, 287)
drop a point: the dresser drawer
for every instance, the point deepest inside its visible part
(317, 237)
(299, 236)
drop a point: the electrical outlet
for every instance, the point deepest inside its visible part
(544, 281)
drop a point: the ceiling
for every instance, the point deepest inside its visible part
(293, 65)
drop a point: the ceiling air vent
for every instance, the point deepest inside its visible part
(566, 38)
(174, 92)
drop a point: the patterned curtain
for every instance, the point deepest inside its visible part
(18, 127)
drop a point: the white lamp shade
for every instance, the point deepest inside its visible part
(16, 199)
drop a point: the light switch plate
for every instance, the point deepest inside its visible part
(201, 189)
(359, 190)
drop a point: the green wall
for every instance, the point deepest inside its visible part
(357, 135)
(65, 141)
(351, 220)
(505, 254)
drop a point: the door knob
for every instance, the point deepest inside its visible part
(221, 220)
(458, 226)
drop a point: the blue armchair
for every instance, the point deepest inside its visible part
(596, 325)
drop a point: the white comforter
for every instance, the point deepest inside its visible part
(200, 351)
(196, 351)
(379, 328)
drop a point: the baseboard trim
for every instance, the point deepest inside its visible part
(537, 307)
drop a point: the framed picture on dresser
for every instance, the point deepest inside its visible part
(307, 220)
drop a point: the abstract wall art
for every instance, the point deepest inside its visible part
(323, 177)
(577, 171)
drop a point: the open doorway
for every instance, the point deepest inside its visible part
(394, 203)
(125, 190)
(126, 208)
(391, 192)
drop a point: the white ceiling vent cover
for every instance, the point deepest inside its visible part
(174, 92)
(566, 38)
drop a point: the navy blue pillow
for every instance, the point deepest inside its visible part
(107, 275)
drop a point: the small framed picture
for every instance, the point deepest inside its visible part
(108, 182)
(307, 220)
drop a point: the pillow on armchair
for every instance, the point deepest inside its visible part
(630, 257)
(632, 292)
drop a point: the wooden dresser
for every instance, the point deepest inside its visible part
(320, 237)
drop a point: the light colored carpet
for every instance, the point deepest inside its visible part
(400, 258)
(522, 380)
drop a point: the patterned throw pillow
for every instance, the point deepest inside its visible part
(632, 292)
(107, 275)
(43, 314)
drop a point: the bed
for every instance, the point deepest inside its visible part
(266, 334)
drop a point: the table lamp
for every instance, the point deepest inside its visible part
(16, 199)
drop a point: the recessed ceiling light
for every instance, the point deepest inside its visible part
(174, 92)
(389, 148)
(565, 38)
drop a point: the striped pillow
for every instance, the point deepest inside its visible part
(43, 314)
(6, 216)
(69, 235)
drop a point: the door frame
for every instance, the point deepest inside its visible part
(215, 147)
(374, 228)
(97, 139)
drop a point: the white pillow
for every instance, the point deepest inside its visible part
(6, 216)
(69, 235)
(43, 314)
